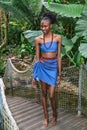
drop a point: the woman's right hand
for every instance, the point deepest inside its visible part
(34, 85)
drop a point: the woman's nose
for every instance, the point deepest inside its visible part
(43, 28)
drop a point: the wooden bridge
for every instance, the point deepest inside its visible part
(29, 115)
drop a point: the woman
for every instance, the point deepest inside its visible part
(47, 68)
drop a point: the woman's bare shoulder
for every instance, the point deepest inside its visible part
(38, 39)
(57, 36)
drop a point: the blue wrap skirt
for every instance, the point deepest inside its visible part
(46, 70)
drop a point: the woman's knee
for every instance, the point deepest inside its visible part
(44, 94)
(51, 96)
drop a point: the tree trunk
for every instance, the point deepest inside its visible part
(0, 25)
(6, 23)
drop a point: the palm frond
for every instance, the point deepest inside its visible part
(29, 7)
(23, 9)
(8, 7)
(68, 10)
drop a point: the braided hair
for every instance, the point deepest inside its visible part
(50, 17)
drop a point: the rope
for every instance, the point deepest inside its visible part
(8, 120)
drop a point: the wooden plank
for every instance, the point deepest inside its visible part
(29, 116)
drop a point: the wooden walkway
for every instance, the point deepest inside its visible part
(29, 116)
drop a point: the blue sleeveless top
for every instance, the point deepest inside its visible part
(48, 48)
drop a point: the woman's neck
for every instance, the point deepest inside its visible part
(48, 34)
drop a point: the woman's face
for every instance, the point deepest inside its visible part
(45, 26)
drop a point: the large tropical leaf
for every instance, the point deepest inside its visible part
(83, 47)
(83, 50)
(30, 35)
(67, 44)
(78, 59)
(81, 26)
(81, 31)
(68, 10)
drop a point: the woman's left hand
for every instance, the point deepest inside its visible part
(59, 79)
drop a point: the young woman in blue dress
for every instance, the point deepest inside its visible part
(47, 67)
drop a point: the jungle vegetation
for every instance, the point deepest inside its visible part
(20, 23)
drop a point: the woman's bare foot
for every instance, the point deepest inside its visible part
(53, 121)
(45, 122)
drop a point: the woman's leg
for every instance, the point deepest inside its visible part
(53, 104)
(44, 102)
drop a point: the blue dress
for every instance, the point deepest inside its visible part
(46, 69)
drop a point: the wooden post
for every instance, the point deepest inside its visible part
(80, 92)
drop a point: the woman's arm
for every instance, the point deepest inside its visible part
(37, 56)
(59, 57)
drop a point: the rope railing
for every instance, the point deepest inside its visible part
(71, 93)
(7, 118)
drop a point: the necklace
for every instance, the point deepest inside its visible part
(50, 43)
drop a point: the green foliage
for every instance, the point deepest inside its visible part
(67, 45)
(86, 1)
(28, 7)
(68, 10)
(14, 33)
(78, 59)
(23, 10)
(29, 11)
(81, 25)
(83, 50)
(2, 66)
(7, 0)
(8, 7)
(81, 31)
(26, 48)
